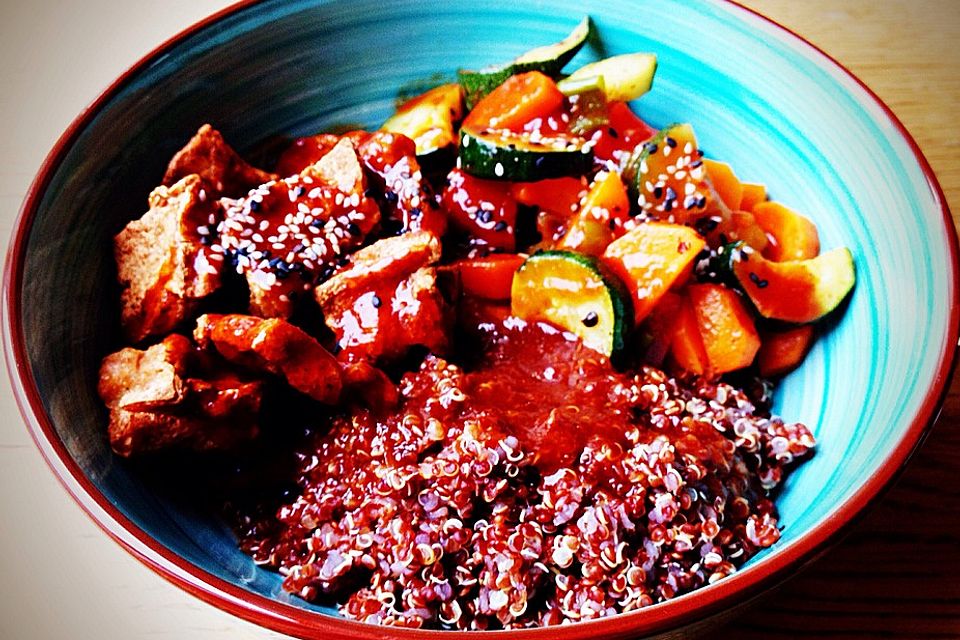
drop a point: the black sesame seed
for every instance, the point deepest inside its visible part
(415, 213)
(368, 193)
(500, 226)
(695, 164)
(376, 302)
(658, 192)
(671, 194)
(337, 348)
(297, 192)
(354, 229)
(706, 225)
(391, 197)
(485, 216)
(702, 202)
(206, 240)
(591, 319)
(254, 205)
(668, 205)
(671, 142)
(613, 133)
(612, 223)
(755, 279)
(689, 202)
(650, 147)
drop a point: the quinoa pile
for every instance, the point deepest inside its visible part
(452, 513)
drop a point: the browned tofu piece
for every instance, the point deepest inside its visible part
(291, 233)
(210, 157)
(154, 406)
(163, 264)
(389, 259)
(143, 380)
(387, 300)
(274, 346)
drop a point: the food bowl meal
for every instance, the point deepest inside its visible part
(475, 332)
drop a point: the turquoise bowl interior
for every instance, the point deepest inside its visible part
(778, 110)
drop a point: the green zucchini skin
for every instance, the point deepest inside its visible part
(504, 155)
(549, 60)
(596, 308)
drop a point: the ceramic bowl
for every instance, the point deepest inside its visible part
(781, 112)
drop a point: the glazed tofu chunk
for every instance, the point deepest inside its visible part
(154, 405)
(164, 265)
(276, 347)
(221, 168)
(386, 300)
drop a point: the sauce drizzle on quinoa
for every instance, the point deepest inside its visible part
(459, 511)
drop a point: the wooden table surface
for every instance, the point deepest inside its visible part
(896, 575)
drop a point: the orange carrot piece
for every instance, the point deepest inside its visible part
(490, 277)
(782, 351)
(725, 182)
(686, 345)
(517, 101)
(753, 194)
(726, 327)
(600, 218)
(557, 195)
(650, 258)
(791, 236)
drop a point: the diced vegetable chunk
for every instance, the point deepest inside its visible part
(686, 344)
(791, 235)
(650, 258)
(490, 277)
(428, 119)
(797, 290)
(782, 351)
(573, 292)
(516, 102)
(600, 218)
(725, 183)
(729, 335)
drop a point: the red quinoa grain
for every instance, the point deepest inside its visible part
(444, 515)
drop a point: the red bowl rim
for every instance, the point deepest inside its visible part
(287, 618)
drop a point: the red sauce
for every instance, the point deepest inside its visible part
(550, 391)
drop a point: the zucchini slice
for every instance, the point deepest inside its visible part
(668, 180)
(624, 78)
(797, 290)
(428, 119)
(576, 293)
(549, 59)
(521, 157)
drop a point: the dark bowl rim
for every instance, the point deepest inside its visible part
(287, 618)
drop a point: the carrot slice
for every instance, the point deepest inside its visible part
(753, 194)
(725, 182)
(782, 351)
(726, 327)
(686, 345)
(557, 195)
(517, 101)
(650, 258)
(601, 216)
(792, 236)
(490, 277)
